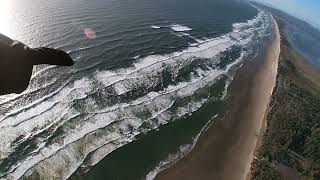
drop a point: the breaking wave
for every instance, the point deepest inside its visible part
(180, 28)
(95, 115)
(182, 151)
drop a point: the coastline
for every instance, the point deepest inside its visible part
(263, 127)
(294, 106)
(229, 144)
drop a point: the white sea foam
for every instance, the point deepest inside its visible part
(105, 128)
(173, 158)
(155, 27)
(175, 27)
(180, 28)
(156, 104)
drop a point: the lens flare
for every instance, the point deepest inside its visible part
(90, 34)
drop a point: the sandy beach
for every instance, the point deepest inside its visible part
(226, 150)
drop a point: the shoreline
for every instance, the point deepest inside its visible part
(294, 105)
(263, 127)
(229, 144)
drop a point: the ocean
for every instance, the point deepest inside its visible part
(149, 78)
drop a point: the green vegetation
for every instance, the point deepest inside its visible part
(292, 138)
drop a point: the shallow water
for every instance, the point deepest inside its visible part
(149, 76)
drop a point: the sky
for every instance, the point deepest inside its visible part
(307, 10)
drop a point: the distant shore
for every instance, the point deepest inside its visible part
(226, 150)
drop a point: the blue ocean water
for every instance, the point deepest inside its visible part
(149, 76)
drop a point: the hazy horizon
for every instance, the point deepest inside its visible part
(303, 10)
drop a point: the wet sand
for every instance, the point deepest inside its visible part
(225, 151)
